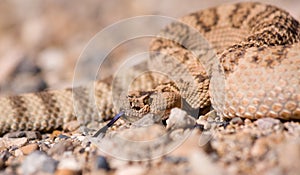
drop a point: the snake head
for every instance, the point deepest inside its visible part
(158, 101)
(140, 101)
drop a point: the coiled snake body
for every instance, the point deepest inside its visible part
(257, 75)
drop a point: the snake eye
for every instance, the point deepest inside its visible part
(150, 100)
(146, 101)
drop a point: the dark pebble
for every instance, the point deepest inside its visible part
(175, 160)
(61, 136)
(30, 135)
(101, 163)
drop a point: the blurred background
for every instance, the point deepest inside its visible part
(40, 41)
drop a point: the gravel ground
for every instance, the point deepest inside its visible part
(185, 146)
(40, 42)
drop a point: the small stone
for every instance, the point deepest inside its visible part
(206, 125)
(33, 32)
(133, 170)
(17, 134)
(18, 142)
(259, 148)
(18, 153)
(55, 133)
(293, 128)
(67, 172)
(69, 163)
(29, 148)
(44, 147)
(236, 120)
(62, 136)
(61, 147)
(176, 159)
(30, 135)
(101, 163)
(79, 137)
(179, 119)
(211, 115)
(266, 123)
(27, 65)
(33, 83)
(4, 155)
(38, 162)
(51, 59)
(247, 121)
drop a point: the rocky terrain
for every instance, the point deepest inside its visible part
(40, 43)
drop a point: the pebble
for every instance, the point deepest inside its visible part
(293, 128)
(4, 155)
(236, 120)
(247, 121)
(27, 149)
(66, 172)
(101, 163)
(266, 123)
(69, 163)
(175, 159)
(38, 162)
(27, 65)
(55, 134)
(180, 119)
(259, 148)
(18, 153)
(132, 170)
(33, 83)
(62, 136)
(61, 147)
(210, 116)
(205, 124)
(51, 59)
(33, 31)
(17, 142)
(79, 137)
(30, 135)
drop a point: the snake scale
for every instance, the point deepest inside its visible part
(257, 48)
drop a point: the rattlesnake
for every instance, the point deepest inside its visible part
(257, 75)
